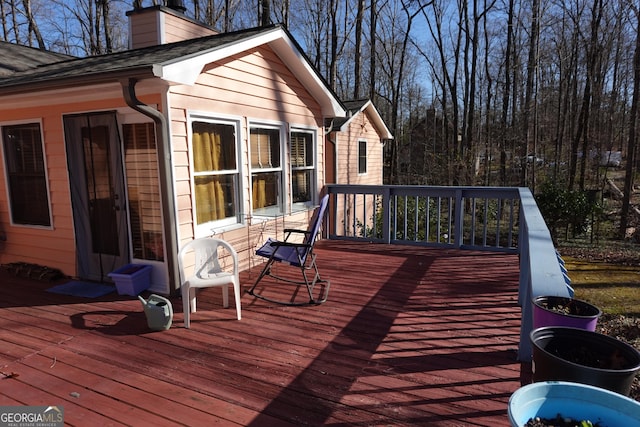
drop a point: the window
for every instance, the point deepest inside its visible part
(302, 169)
(266, 171)
(26, 174)
(215, 173)
(362, 157)
(143, 189)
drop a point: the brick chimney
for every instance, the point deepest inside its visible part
(155, 25)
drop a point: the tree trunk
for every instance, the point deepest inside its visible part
(333, 60)
(372, 48)
(532, 66)
(631, 143)
(357, 60)
(265, 13)
(33, 26)
(506, 97)
(106, 22)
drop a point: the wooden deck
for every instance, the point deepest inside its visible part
(409, 336)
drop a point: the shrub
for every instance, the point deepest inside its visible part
(571, 210)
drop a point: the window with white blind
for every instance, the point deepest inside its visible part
(25, 169)
(143, 190)
(303, 172)
(266, 170)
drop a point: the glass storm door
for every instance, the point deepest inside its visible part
(97, 193)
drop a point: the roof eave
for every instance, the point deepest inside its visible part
(76, 81)
(375, 118)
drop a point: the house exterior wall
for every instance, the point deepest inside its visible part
(50, 246)
(360, 128)
(252, 87)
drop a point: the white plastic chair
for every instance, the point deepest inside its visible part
(207, 272)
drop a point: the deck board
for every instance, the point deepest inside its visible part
(409, 336)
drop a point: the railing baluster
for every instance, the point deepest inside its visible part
(472, 234)
(428, 219)
(439, 212)
(499, 214)
(458, 221)
(485, 222)
(511, 223)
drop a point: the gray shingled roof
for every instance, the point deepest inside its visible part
(131, 63)
(352, 106)
(15, 58)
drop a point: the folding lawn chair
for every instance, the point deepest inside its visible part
(297, 255)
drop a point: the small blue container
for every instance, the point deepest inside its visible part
(132, 279)
(572, 400)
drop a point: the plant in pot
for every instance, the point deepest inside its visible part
(561, 403)
(563, 311)
(577, 355)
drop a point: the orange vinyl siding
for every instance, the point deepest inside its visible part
(360, 128)
(55, 246)
(253, 86)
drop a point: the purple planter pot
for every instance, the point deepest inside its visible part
(586, 316)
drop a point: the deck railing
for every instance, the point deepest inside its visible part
(505, 219)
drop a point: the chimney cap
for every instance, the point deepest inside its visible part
(176, 5)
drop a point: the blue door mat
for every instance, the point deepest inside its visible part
(79, 288)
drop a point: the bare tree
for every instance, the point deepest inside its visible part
(632, 138)
(357, 60)
(32, 25)
(264, 12)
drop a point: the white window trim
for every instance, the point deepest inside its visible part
(366, 166)
(219, 226)
(297, 207)
(46, 174)
(284, 181)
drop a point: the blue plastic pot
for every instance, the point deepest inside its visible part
(572, 400)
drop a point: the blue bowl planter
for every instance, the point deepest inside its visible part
(576, 355)
(563, 311)
(572, 400)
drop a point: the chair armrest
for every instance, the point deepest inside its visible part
(295, 230)
(278, 243)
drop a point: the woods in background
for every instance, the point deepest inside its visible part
(476, 92)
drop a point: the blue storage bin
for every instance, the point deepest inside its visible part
(132, 279)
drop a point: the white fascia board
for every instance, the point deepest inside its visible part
(187, 69)
(376, 119)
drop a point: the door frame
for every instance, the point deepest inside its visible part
(98, 213)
